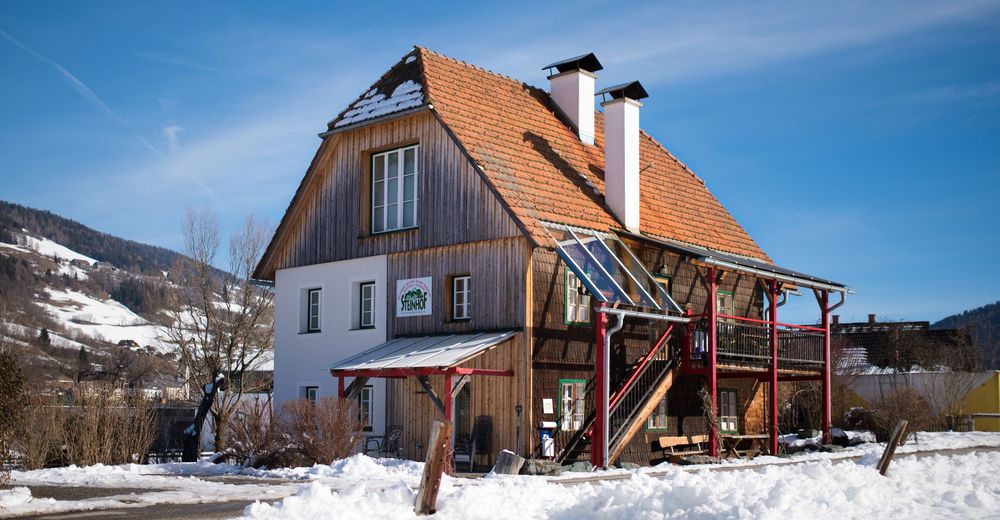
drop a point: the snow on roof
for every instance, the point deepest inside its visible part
(408, 94)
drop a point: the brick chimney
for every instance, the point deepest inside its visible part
(871, 319)
(621, 151)
(572, 88)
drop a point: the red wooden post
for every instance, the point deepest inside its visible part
(597, 455)
(713, 332)
(827, 402)
(772, 289)
(340, 388)
(447, 417)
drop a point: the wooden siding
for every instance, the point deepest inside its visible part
(497, 268)
(455, 204)
(408, 405)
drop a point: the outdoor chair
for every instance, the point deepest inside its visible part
(388, 445)
(478, 443)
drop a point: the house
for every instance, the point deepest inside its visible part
(467, 245)
(874, 358)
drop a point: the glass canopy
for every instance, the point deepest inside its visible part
(609, 269)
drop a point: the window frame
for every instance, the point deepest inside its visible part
(314, 390)
(400, 178)
(650, 426)
(365, 397)
(310, 306)
(567, 319)
(361, 305)
(733, 403)
(466, 304)
(579, 407)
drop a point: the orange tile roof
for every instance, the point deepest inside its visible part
(543, 172)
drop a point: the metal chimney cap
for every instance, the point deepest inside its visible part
(587, 62)
(630, 90)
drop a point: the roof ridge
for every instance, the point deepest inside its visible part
(672, 156)
(480, 69)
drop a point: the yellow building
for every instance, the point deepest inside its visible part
(985, 399)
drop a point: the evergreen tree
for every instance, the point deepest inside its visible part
(43, 337)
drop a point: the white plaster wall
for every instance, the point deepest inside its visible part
(303, 359)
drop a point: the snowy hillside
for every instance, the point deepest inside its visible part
(103, 319)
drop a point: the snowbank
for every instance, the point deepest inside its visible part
(963, 486)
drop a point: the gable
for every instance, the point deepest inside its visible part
(327, 220)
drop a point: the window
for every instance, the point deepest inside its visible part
(724, 303)
(365, 407)
(572, 409)
(312, 322)
(460, 298)
(366, 306)
(577, 303)
(310, 393)
(658, 420)
(394, 189)
(727, 412)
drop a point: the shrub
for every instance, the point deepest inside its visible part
(252, 437)
(323, 431)
(40, 434)
(108, 424)
(899, 404)
(12, 402)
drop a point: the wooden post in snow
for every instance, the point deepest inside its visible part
(438, 453)
(890, 448)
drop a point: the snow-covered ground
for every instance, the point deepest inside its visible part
(813, 485)
(102, 319)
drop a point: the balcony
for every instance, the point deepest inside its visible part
(746, 342)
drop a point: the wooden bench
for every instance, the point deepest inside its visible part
(679, 446)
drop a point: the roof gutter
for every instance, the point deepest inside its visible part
(374, 120)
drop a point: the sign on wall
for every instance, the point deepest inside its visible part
(413, 297)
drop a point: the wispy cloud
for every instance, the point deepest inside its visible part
(170, 133)
(175, 60)
(83, 90)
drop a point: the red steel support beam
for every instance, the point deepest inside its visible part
(412, 372)
(597, 455)
(713, 332)
(772, 289)
(340, 388)
(448, 417)
(827, 413)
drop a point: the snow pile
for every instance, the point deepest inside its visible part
(408, 94)
(14, 497)
(101, 319)
(964, 486)
(354, 467)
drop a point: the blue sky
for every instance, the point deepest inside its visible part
(859, 141)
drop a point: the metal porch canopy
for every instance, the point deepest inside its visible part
(732, 262)
(423, 356)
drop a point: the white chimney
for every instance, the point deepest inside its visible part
(572, 87)
(621, 151)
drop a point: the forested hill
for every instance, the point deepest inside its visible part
(122, 253)
(984, 325)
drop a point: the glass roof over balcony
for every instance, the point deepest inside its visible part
(609, 269)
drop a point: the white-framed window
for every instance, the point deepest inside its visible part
(577, 303)
(395, 183)
(366, 305)
(365, 406)
(658, 419)
(572, 404)
(728, 418)
(313, 304)
(460, 297)
(310, 393)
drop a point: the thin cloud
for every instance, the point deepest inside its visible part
(170, 133)
(83, 90)
(177, 61)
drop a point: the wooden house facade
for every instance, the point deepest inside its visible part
(487, 250)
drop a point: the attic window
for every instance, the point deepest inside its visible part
(394, 189)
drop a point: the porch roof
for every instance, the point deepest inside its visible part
(741, 263)
(423, 352)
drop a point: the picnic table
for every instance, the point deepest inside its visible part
(731, 443)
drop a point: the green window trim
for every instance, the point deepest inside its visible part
(566, 317)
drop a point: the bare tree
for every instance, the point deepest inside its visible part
(222, 322)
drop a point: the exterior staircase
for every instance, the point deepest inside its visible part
(630, 406)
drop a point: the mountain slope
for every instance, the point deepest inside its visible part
(984, 325)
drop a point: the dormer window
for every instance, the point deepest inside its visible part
(394, 189)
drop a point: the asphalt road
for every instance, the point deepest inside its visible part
(158, 512)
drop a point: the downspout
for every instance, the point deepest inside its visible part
(605, 413)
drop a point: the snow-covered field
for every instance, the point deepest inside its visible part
(814, 485)
(105, 319)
